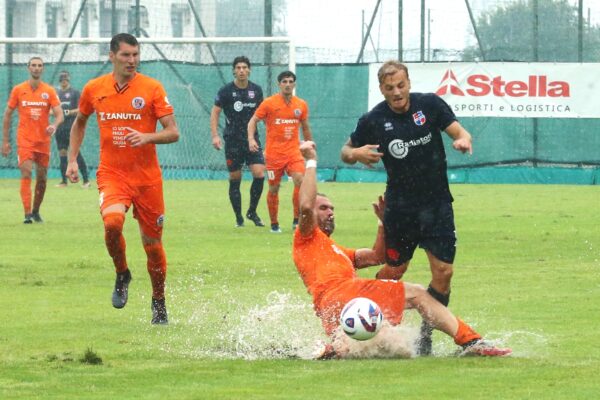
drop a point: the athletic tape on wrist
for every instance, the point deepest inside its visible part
(311, 164)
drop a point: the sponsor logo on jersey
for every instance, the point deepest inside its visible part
(388, 126)
(239, 106)
(419, 118)
(478, 85)
(284, 121)
(108, 116)
(25, 103)
(138, 103)
(399, 148)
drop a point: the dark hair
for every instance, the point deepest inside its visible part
(34, 58)
(119, 38)
(286, 74)
(241, 59)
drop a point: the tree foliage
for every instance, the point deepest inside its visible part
(507, 34)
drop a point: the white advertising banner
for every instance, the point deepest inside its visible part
(525, 90)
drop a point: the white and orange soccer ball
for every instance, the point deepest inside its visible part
(361, 318)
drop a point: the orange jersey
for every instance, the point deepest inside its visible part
(322, 264)
(137, 105)
(283, 122)
(34, 107)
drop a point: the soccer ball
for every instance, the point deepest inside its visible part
(361, 318)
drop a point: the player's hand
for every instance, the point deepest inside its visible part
(216, 142)
(308, 149)
(50, 130)
(391, 273)
(252, 145)
(367, 154)
(463, 145)
(72, 172)
(379, 207)
(5, 149)
(137, 138)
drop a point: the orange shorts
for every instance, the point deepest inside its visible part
(148, 203)
(41, 159)
(275, 170)
(389, 296)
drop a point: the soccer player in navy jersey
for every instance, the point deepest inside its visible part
(239, 99)
(405, 132)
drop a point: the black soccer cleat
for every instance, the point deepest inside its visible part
(253, 216)
(36, 217)
(28, 219)
(159, 312)
(294, 224)
(275, 228)
(119, 296)
(424, 341)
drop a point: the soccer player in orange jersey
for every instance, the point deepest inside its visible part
(127, 106)
(328, 271)
(283, 114)
(34, 100)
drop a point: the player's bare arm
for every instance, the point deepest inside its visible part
(6, 131)
(59, 118)
(214, 127)
(76, 138)
(169, 133)
(252, 145)
(306, 131)
(376, 255)
(308, 191)
(366, 154)
(462, 138)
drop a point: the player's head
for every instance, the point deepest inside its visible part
(241, 68)
(324, 213)
(64, 78)
(124, 54)
(287, 82)
(35, 65)
(394, 85)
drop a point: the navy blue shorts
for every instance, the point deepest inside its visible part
(430, 227)
(237, 154)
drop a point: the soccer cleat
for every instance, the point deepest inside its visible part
(61, 185)
(327, 353)
(36, 217)
(28, 219)
(159, 312)
(481, 348)
(86, 185)
(252, 216)
(424, 340)
(119, 296)
(294, 223)
(275, 228)
(239, 221)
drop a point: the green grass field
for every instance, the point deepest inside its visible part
(527, 275)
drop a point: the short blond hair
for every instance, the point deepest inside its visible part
(390, 68)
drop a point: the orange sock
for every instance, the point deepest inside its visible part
(115, 242)
(296, 201)
(157, 268)
(26, 194)
(273, 206)
(465, 333)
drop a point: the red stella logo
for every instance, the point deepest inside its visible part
(483, 85)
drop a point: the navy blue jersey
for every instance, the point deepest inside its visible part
(414, 155)
(239, 106)
(69, 100)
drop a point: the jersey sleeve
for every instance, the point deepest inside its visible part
(220, 98)
(304, 111)
(351, 253)
(13, 100)
(362, 134)
(86, 107)
(445, 115)
(262, 110)
(160, 102)
(259, 95)
(54, 99)
(76, 97)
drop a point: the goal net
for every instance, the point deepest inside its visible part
(191, 70)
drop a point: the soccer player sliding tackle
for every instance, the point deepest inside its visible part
(328, 270)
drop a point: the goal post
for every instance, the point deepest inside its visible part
(191, 70)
